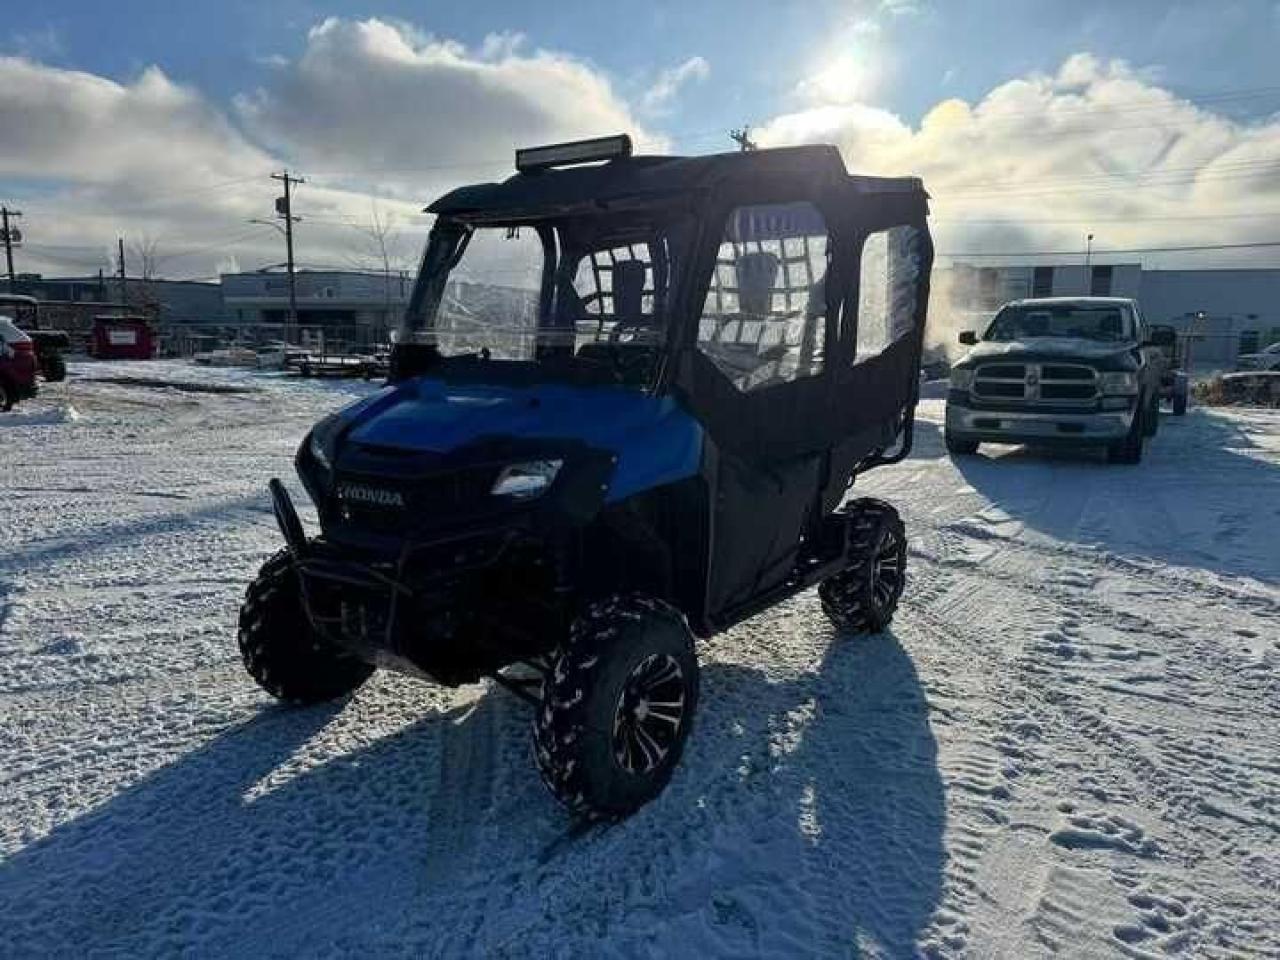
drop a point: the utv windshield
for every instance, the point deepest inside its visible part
(566, 301)
(1108, 324)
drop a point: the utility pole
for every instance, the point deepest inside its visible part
(743, 139)
(123, 281)
(1088, 250)
(284, 211)
(11, 236)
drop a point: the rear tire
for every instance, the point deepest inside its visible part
(1180, 404)
(863, 596)
(6, 398)
(960, 448)
(282, 650)
(1152, 425)
(618, 707)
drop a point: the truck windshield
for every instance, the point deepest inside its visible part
(569, 299)
(1108, 324)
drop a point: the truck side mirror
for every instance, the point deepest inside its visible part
(1162, 337)
(968, 338)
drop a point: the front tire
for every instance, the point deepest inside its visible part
(54, 368)
(958, 447)
(863, 596)
(1129, 450)
(618, 707)
(282, 650)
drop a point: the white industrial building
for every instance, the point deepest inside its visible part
(1224, 312)
(325, 298)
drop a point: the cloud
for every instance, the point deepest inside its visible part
(369, 107)
(658, 98)
(373, 97)
(1041, 159)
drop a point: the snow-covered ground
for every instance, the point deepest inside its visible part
(1068, 743)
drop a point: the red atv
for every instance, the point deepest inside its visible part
(17, 365)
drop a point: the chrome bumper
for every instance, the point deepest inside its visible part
(1005, 426)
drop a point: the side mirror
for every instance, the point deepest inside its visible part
(968, 338)
(1162, 337)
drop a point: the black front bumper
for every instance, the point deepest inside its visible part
(441, 606)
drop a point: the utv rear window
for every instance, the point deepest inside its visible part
(764, 318)
(888, 289)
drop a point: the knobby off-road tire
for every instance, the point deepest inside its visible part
(282, 651)
(864, 595)
(618, 707)
(1129, 450)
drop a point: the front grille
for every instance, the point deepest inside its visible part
(441, 497)
(1069, 384)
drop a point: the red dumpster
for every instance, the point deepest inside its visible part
(122, 338)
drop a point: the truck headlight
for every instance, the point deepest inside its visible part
(961, 378)
(1124, 383)
(524, 481)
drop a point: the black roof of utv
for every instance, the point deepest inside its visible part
(646, 180)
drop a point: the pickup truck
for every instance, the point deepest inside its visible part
(50, 345)
(1066, 371)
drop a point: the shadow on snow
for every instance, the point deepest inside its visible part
(808, 814)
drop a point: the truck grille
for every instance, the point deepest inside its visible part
(1033, 383)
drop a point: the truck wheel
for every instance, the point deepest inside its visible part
(1129, 450)
(1152, 424)
(959, 448)
(618, 707)
(863, 596)
(1180, 404)
(6, 398)
(54, 368)
(282, 651)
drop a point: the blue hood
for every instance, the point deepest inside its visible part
(655, 440)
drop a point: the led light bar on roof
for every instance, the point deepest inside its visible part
(578, 151)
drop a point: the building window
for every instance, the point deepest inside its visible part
(1100, 282)
(988, 288)
(1042, 282)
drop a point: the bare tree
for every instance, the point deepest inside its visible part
(381, 251)
(144, 261)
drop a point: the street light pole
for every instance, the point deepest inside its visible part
(1088, 250)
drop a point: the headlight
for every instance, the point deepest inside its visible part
(961, 378)
(524, 481)
(1120, 383)
(324, 438)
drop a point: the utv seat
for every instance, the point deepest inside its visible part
(629, 317)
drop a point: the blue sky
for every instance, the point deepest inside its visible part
(1031, 122)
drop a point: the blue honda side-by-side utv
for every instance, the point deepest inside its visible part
(626, 405)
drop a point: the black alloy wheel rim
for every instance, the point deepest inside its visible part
(886, 571)
(650, 714)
